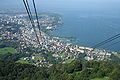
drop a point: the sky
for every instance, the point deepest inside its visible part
(62, 4)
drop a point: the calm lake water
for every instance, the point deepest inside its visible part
(89, 21)
(90, 28)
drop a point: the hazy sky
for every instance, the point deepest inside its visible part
(63, 4)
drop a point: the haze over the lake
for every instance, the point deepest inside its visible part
(65, 4)
(90, 21)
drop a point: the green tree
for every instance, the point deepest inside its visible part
(115, 75)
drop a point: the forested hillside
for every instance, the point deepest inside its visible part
(76, 70)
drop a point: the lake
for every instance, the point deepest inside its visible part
(90, 28)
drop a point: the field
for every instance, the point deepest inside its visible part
(22, 61)
(69, 60)
(100, 79)
(63, 54)
(7, 50)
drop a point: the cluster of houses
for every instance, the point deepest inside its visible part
(25, 35)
